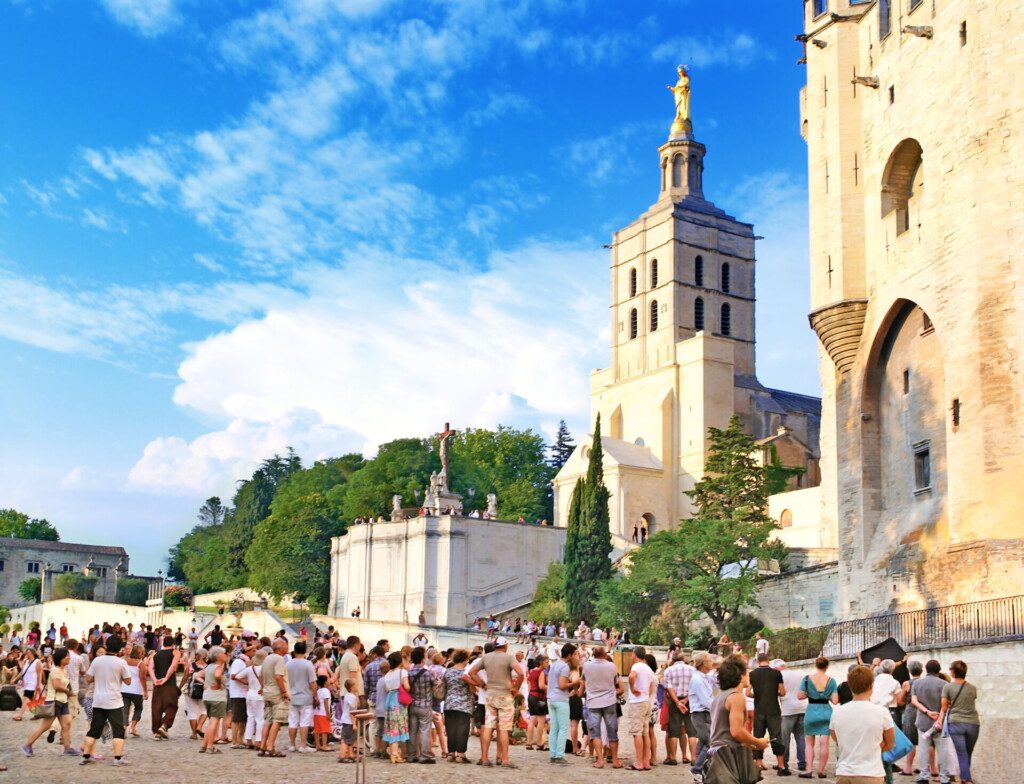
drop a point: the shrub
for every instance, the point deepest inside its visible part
(742, 627)
(132, 590)
(178, 596)
(17, 627)
(5, 629)
(31, 589)
(72, 585)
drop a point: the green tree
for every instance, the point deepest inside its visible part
(402, 466)
(73, 585)
(588, 541)
(212, 511)
(31, 589)
(290, 551)
(132, 590)
(562, 449)
(20, 526)
(508, 462)
(203, 558)
(709, 563)
(178, 596)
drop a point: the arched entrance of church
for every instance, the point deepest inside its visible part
(649, 520)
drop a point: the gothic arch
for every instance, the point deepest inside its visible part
(903, 429)
(677, 170)
(899, 180)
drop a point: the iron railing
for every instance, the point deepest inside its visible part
(972, 622)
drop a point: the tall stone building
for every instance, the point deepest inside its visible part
(24, 559)
(682, 356)
(913, 115)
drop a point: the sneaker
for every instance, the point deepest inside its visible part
(559, 761)
(85, 761)
(27, 751)
(162, 732)
(293, 749)
(784, 772)
(119, 762)
(430, 761)
(72, 752)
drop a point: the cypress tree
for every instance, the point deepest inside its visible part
(588, 541)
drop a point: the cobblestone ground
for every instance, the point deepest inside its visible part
(179, 757)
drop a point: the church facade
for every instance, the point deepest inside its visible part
(682, 357)
(913, 114)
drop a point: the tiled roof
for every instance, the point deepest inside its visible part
(63, 547)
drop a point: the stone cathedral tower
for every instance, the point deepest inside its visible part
(682, 353)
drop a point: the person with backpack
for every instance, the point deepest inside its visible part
(195, 710)
(30, 681)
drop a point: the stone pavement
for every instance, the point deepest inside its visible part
(179, 756)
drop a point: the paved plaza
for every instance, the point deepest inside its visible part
(151, 759)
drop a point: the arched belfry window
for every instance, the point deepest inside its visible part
(654, 274)
(632, 282)
(677, 170)
(698, 314)
(654, 315)
(726, 319)
(698, 271)
(726, 278)
(633, 323)
(901, 180)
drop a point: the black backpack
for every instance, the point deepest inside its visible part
(9, 698)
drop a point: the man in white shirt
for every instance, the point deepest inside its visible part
(598, 634)
(238, 690)
(761, 645)
(351, 669)
(862, 730)
(108, 673)
(553, 650)
(638, 708)
(793, 710)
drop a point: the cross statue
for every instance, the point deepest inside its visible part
(443, 439)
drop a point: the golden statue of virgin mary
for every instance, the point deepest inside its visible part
(681, 92)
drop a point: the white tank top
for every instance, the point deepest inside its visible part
(30, 682)
(135, 687)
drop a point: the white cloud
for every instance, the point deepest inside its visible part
(600, 158)
(498, 105)
(100, 219)
(389, 347)
(736, 49)
(103, 323)
(149, 18)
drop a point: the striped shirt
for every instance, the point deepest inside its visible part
(677, 677)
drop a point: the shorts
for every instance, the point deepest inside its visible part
(275, 711)
(194, 709)
(29, 694)
(239, 714)
(500, 712)
(537, 706)
(216, 709)
(679, 723)
(61, 709)
(321, 725)
(101, 716)
(300, 716)
(637, 716)
(348, 735)
(608, 715)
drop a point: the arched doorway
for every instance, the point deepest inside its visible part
(648, 519)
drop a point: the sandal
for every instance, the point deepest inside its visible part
(633, 767)
(274, 753)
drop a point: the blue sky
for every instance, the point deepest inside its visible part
(228, 227)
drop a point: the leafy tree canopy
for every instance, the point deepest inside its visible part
(73, 585)
(708, 565)
(132, 590)
(21, 526)
(31, 589)
(402, 466)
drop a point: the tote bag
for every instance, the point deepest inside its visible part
(902, 748)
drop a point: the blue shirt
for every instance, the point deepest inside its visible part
(700, 693)
(556, 694)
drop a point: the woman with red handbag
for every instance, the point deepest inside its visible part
(396, 706)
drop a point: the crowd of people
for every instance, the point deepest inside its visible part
(526, 631)
(718, 714)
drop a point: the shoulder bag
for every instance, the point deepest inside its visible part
(945, 719)
(195, 688)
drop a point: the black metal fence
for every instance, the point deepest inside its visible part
(990, 619)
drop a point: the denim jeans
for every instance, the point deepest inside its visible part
(964, 736)
(558, 713)
(793, 727)
(611, 723)
(421, 721)
(702, 724)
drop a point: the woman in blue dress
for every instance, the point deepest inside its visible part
(821, 693)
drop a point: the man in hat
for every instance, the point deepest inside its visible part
(504, 676)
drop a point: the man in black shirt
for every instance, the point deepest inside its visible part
(163, 668)
(766, 687)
